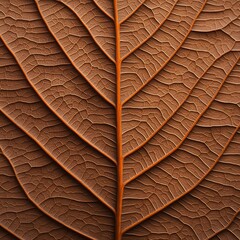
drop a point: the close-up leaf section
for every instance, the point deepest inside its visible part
(120, 119)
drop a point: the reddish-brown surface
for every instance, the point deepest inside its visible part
(120, 119)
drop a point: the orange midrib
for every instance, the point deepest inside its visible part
(118, 232)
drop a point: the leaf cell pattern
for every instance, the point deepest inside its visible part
(120, 119)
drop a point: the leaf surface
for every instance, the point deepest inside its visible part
(119, 119)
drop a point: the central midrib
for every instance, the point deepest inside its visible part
(118, 232)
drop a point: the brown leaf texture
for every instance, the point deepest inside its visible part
(120, 119)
